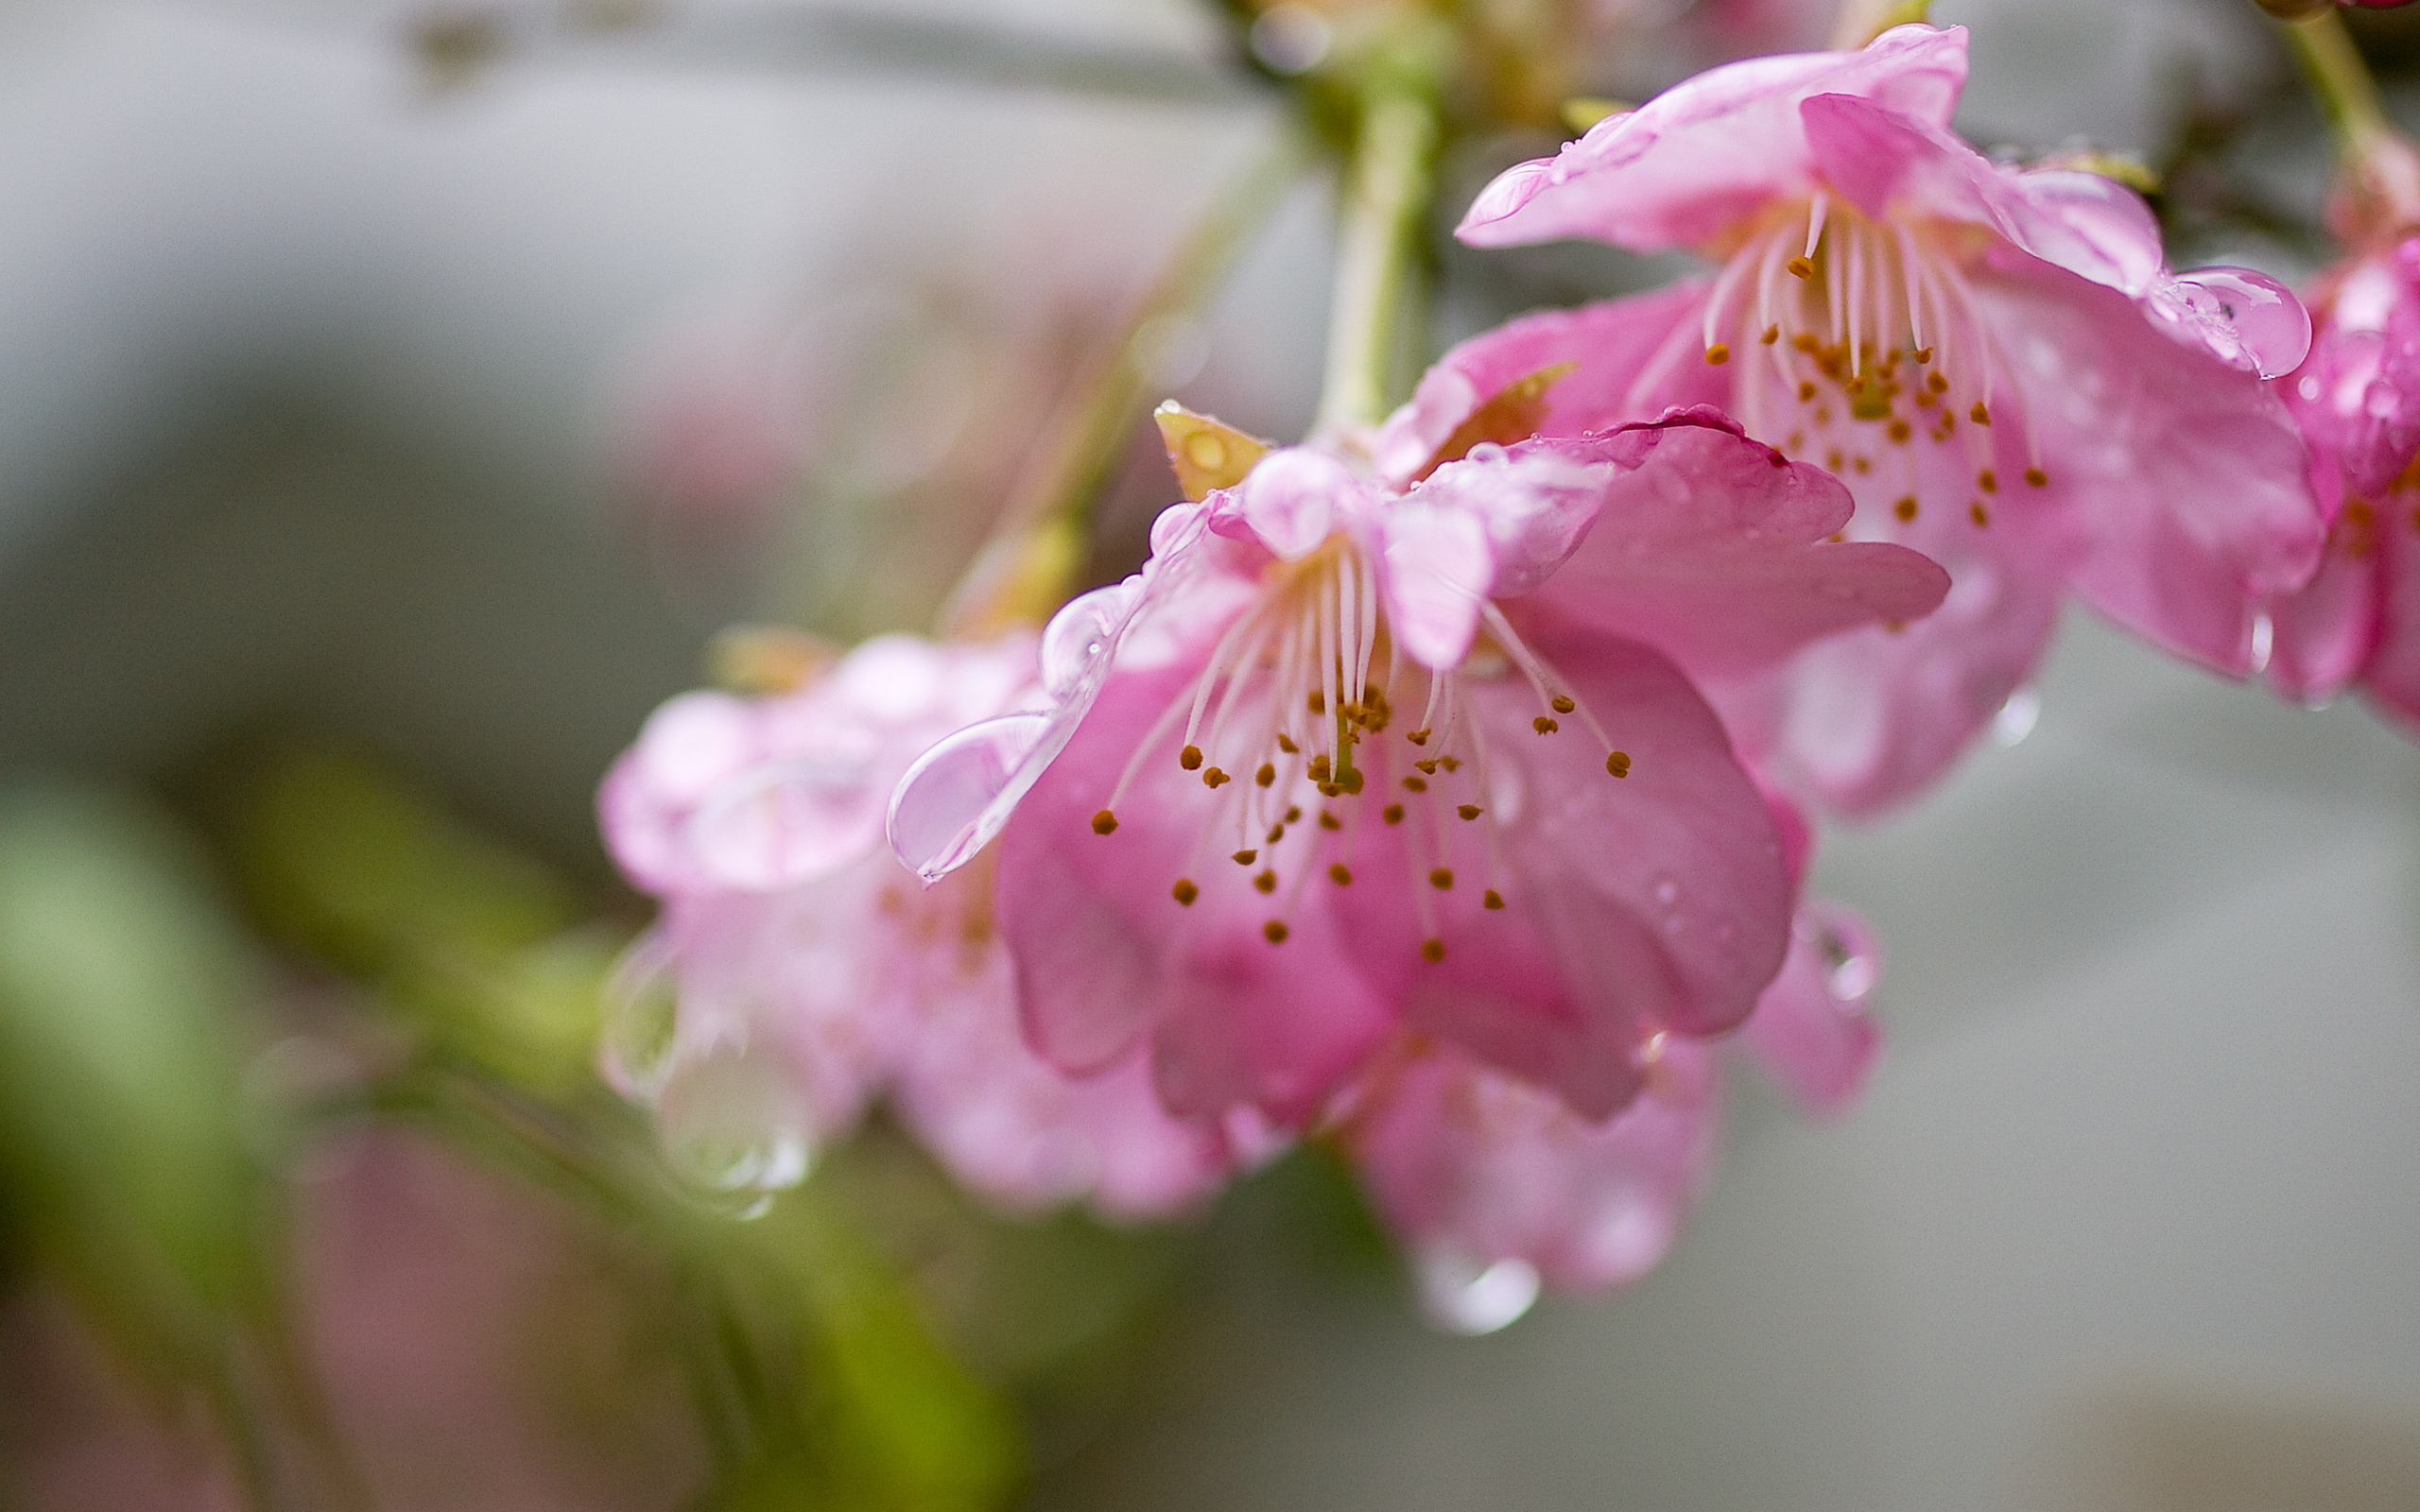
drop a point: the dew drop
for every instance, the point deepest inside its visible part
(955, 796)
(641, 1016)
(1080, 636)
(1461, 1295)
(2016, 717)
(733, 1122)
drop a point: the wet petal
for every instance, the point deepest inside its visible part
(2185, 477)
(1716, 550)
(1476, 1171)
(1711, 151)
(1812, 1033)
(1437, 569)
(2245, 318)
(1614, 344)
(1657, 901)
(1868, 720)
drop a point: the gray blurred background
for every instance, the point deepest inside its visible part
(319, 381)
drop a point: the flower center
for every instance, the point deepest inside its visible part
(1852, 339)
(1296, 728)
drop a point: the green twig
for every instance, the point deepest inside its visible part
(1390, 178)
(1049, 508)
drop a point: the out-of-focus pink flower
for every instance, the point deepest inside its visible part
(810, 973)
(1995, 361)
(1496, 1186)
(2358, 399)
(1319, 770)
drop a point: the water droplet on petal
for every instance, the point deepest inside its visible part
(1080, 635)
(2016, 717)
(2246, 318)
(957, 795)
(1851, 962)
(2264, 641)
(1462, 1296)
(734, 1123)
(1668, 891)
(642, 1003)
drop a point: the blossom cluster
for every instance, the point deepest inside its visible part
(1442, 791)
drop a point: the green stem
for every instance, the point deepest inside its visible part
(1049, 511)
(2341, 80)
(1389, 179)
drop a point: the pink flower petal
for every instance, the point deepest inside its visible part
(1812, 1032)
(2357, 392)
(1289, 501)
(1617, 344)
(2187, 476)
(1105, 953)
(1868, 720)
(1714, 549)
(1711, 151)
(1018, 1131)
(1654, 901)
(1474, 1166)
(2391, 677)
(1437, 569)
(1891, 166)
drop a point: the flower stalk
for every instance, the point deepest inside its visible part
(1390, 177)
(2378, 189)
(1027, 570)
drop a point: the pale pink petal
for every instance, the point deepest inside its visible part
(1616, 344)
(688, 748)
(1105, 953)
(2186, 477)
(1017, 1130)
(1812, 1033)
(1714, 549)
(1437, 569)
(1289, 501)
(786, 822)
(2391, 677)
(2326, 633)
(1471, 1166)
(2357, 392)
(1657, 901)
(1868, 720)
(1891, 166)
(1713, 150)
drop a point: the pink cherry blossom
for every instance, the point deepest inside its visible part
(1320, 771)
(1994, 360)
(2358, 397)
(1490, 1181)
(811, 974)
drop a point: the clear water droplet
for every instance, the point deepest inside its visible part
(1080, 635)
(1462, 1296)
(955, 798)
(2016, 717)
(1668, 891)
(2246, 318)
(2264, 642)
(641, 1017)
(734, 1123)
(1852, 964)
